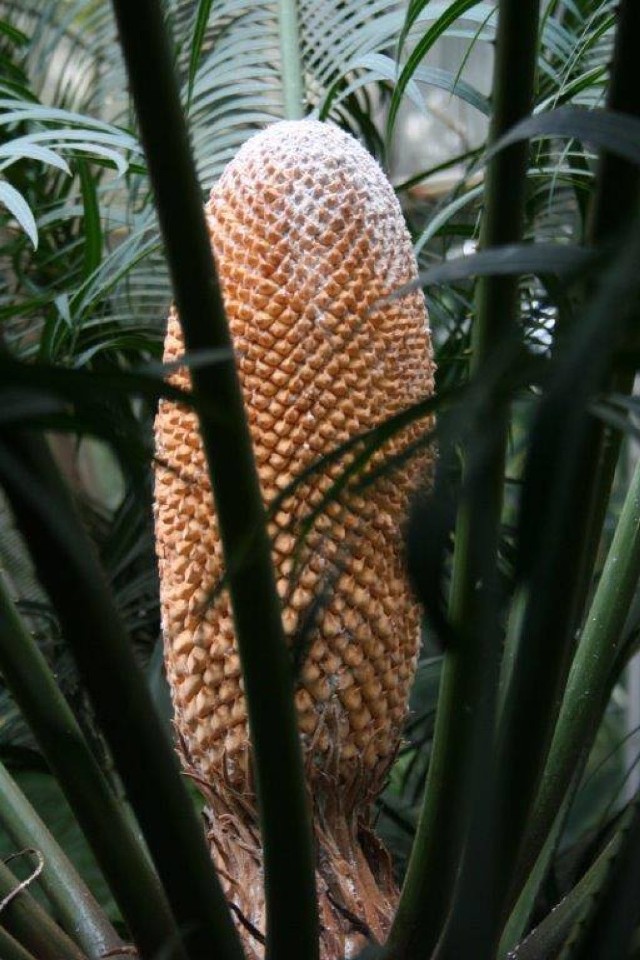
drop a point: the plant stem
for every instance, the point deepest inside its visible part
(616, 199)
(292, 78)
(521, 913)
(548, 937)
(32, 925)
(79, 912)
(466, 707)
(556, 599)
(592, 672)
(618, 181)
(550, 520)
(118, 849)
(68, 567)
(10, 949)
(285, 816)
(609, 929)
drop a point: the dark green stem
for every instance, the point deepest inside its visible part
(520, 916)
(285, 817)
(557, 592)
(588, 687)
(31, 925)
(118, 849)
(551, 515)
(610, 927)
(618, 180)
(10, 949)
(617, 198)
(592, 671)
(466, 706)
(80, 914)
(548, 937)
(68, 567)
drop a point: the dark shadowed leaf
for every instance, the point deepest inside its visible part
(509, 260)
(612, 132)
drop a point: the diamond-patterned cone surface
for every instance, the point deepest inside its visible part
(308, 238)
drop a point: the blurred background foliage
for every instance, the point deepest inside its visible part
(84, 289)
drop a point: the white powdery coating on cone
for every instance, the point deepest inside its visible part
(301, 148)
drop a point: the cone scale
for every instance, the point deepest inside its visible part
(308, 237)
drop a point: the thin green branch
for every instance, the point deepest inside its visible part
(463, 737)
(68, 567)
(79, 913)
(292, 75)
(285, 817)
(118, 849)
(30, 924)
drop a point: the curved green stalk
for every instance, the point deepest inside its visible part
(117, 849)
(292, 76)
(552, 623)
(616, 199)
(292, 913)
(549, 936)
(80, 914)
(554, 511)
(47, 517)
(592, 671)
(521, 913)
(463, 737)
(31, 925)
(10, 949)
(608, 930)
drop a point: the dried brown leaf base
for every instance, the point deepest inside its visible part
(357, 894)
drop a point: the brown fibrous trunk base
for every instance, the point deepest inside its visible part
(357, 894)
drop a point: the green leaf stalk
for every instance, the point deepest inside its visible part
(285, 817)
(463, 737)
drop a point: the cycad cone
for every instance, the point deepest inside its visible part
(308, 236)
